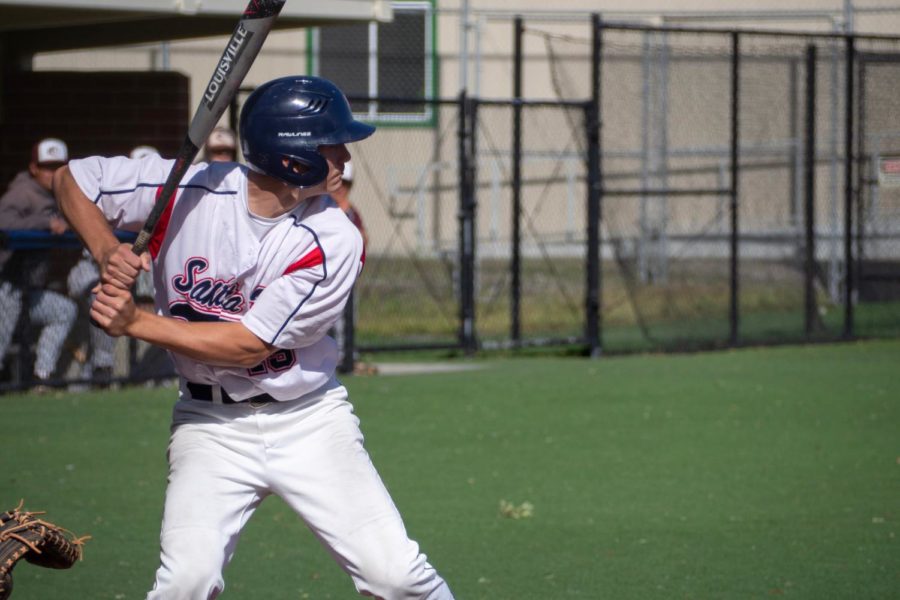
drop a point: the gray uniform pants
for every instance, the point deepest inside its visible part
(82, 278)
(53, 313)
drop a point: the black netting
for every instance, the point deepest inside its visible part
(666, 157)
(666, 163)
(773, 115)
(552, 223)
(46, 340)
(406, 183)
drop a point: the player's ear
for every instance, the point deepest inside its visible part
(295, 166)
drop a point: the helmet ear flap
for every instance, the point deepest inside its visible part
(316, 168)
(314, 171)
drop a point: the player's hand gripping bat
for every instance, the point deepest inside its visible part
(239, 54)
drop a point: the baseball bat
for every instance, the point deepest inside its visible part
(239, 54)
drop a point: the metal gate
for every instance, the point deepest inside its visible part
(877, 231)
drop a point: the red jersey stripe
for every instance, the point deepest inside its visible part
(159, 233)
(311, 259)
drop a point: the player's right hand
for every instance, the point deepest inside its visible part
(120, 266)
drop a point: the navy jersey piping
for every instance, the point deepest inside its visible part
(315, 285)
(194, 186)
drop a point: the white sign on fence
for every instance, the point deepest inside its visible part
(889, 171)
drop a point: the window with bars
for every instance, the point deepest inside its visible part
(394, 61)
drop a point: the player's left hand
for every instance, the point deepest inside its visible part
(113, 309)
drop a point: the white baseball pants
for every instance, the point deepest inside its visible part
(224, 459)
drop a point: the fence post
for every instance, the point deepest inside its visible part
(809, 292)
(734, 314)
(466, 218)
(593, 300)
(863, 165)
(797, 167)
(516, 264)
(472, 236)
(849, 271)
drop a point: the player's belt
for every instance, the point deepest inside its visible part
(202, 391)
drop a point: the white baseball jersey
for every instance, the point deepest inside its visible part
(286, 279)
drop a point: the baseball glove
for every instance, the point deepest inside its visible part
(41, 543)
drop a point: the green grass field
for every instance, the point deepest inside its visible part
(742, 474)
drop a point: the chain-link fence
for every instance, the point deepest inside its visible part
(665, 144)
(406, 183)
(407, 186)
(530, 284)
(747, 188)
(878, 187)
(742, 188)
(46, 339)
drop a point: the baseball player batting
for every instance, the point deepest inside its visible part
(252, 265)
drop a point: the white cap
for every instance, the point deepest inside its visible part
(221, 138)
(143, 152)
(50, 150)
(347, 175)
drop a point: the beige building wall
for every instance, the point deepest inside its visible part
(490, 35)
(567, 21)
(407, 176)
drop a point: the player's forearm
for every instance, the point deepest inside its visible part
(220, 343)
(84, 217)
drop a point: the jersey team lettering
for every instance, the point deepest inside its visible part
(213, 294)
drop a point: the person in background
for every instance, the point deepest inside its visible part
(98, 361)
(341, 197)
(221, 146)
(34, 278)
(139, 152)
(143, 286)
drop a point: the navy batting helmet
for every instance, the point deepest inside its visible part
(289, 118)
